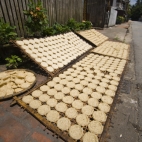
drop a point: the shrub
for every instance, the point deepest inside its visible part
(120, 20)
(36, 18)
(7, 32)
(13, 61)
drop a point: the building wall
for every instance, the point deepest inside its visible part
(113, 16)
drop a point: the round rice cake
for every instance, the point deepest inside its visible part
(62, 76)
(16, 90)
(107, 99)
(104, 107)
(93, 102)
(44, 98)
(43, 110)
(25, 85)
(63, 82)
(76, 132)
(71, 84)
(100, 89)
(2, 94)
(69, 78)
(66, 90)
(35, 104)
(88, 110)
(68, 99)
(27, 99)
(90, 137)
(53, 116)
(51, 92)
(52, 102)
(84, 83)
(92, 86)
(76, 80)
(103, 84)
(113, 82)
(37, 93)
(71, 113)
(95, 127)
(79, 87)
(30, 79)
(50, 69)
(87, 90)
(51, 84)
(112, 87)
(61, 107)
(58, 87)
(19, 81)
(83, 97)
(74, 93)
(56, 79)
(59, 96)
(82, 120)
(21, 75)
(44, 88)
(63, 124)
(96, 95)
(99, 116)
(110, 93)
(77, 104)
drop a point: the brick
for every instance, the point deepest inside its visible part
(18, 112)
(31, 122)
(12, 131)
(40, 137)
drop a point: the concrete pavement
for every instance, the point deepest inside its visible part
(137, 44)
(126, 117)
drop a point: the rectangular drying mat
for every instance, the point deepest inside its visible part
(56, 52)
(114, 49)
(93, 36)
(81, 96)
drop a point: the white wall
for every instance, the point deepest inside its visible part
(113, 16)
(114, 3)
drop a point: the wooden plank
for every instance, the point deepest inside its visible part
(19, 18)
(4, 10)
(58, 10)
(46, 6)
(53, 12)
(14, 16)
(20, 5)
(11, 21)
(1, 13)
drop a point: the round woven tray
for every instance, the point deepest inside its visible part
(24, 90)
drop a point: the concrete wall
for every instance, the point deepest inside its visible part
(113, 16)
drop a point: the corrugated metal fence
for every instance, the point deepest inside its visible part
(57, 10)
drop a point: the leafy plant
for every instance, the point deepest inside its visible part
(120, 20)
(48, 31)
(58, 28)
(13, 61)
(55, 29)
(7, 32)
(88, 25)
(36, 18)
(76, 26)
